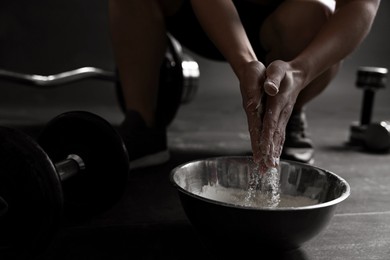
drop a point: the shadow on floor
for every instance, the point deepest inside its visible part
(175, 241)
(148, 223)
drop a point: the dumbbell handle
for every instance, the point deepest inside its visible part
(65, 169)
(370, 79)
(368, 103)
(69, 167)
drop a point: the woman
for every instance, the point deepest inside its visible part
(284, 53)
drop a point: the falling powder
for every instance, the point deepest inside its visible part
(259, 200)
(264, 188)
(263, 192)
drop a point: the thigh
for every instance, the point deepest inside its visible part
(253, 16)
(292, 26)
(184, 26)
(169, 7)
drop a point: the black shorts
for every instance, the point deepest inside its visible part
(185, 27)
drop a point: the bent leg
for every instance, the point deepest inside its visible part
(288, 30)
(284, 34)
(139, 42)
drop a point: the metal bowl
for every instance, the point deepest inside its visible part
(214, 195)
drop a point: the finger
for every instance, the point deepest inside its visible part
(284, 115)
(254, 124)
(254, 117)
(250, 86)
(262, 167)
(252, 92)
(274, 122)
(253, 107)
(270, 87)
(267, 134)
(274, 76)
(280, 132)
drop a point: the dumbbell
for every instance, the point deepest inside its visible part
(373, 136)
(76, 169)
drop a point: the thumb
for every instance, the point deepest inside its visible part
(274, 75)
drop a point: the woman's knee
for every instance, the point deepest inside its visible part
(292, 26)
(169, 7)
(165, 7)
(318, 85)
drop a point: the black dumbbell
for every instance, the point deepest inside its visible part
(377, 136)
(373, 136)
(78, 168)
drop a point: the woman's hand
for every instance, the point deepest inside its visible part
(268, 114)
(251, 77)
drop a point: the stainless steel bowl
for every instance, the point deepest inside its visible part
(213, 193)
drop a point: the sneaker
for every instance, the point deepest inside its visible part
(297, 146)
(146, 146)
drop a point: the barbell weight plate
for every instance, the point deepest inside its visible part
(170, 85)
(103, 181)
(32, 190)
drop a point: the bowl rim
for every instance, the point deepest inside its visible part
(330, 203)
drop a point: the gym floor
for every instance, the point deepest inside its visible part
(149, 223)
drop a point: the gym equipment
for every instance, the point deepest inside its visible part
(89, 153)
(179, 77)
(373, 136)
(178, 80)
(377, 136)
(78, 168)
(47, 82)
(178, 83)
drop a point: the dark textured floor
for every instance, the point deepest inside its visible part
(149, 223)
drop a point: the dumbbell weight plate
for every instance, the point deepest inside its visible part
(377, 137)
(102, 183)
(32, 190)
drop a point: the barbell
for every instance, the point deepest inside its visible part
(178, 83)
(76, 169)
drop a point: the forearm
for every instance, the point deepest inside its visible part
(340, 36)
(220, 20)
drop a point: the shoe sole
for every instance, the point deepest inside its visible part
(299, 155)
(150, 160)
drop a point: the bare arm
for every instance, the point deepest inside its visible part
(344, 31)
(220, 20)
(340, 36)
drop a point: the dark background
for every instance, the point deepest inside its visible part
(47, 37)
